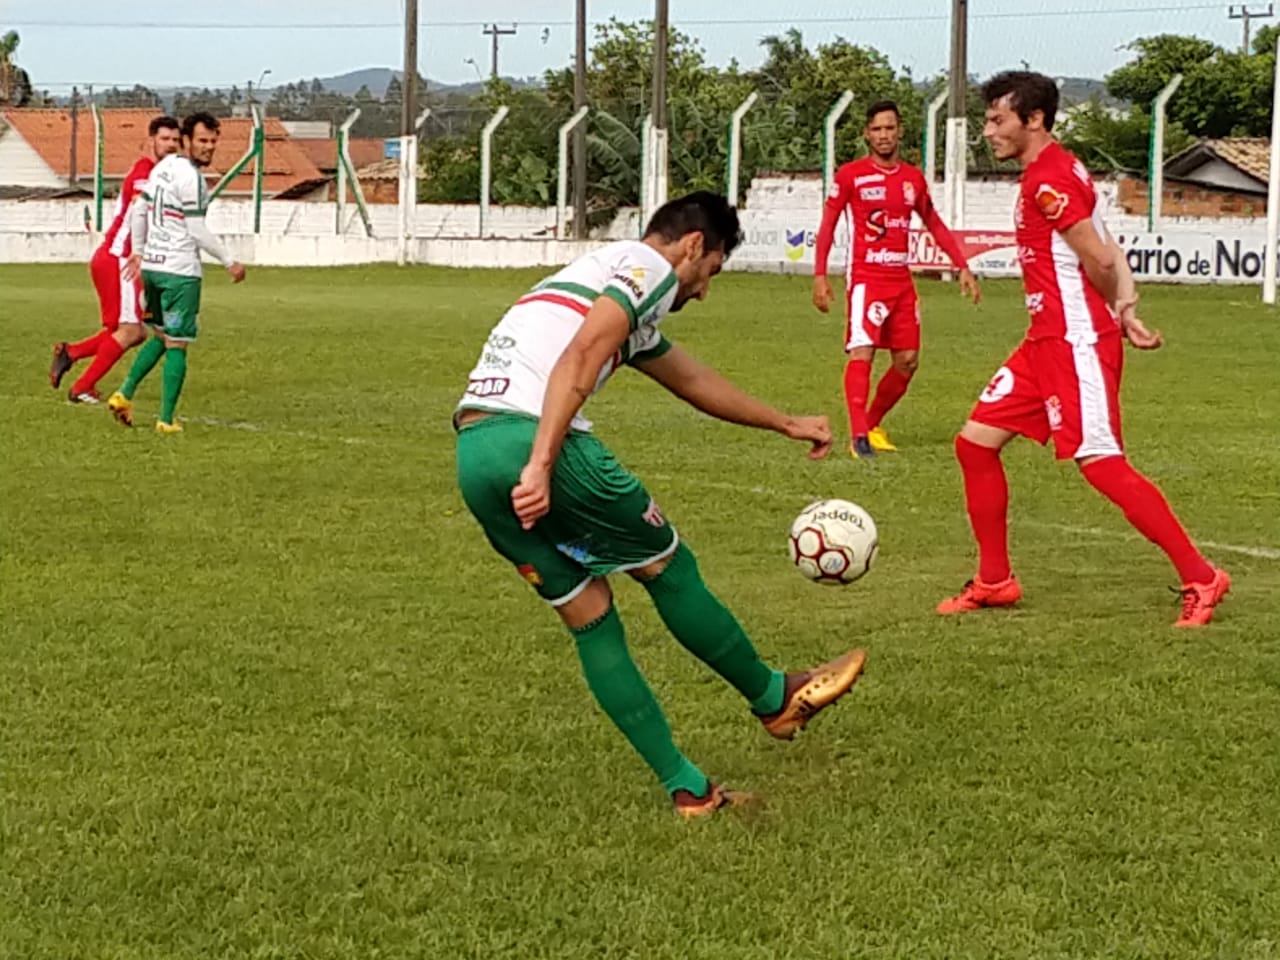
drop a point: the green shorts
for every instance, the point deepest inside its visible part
(602, 520)
(173, 304)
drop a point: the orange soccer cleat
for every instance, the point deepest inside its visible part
(1200, 599)
(976, 595)
(716, 797)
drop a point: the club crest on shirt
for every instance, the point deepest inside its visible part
(1053, 409)
(1050, 201)
(530, 574)
(909, 193)
(653, 516)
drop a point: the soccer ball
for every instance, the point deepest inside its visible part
(833, 542)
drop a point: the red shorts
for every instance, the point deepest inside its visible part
(1052, 388)
(883, 314)
(120, 299)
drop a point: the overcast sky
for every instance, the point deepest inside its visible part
(234, 41)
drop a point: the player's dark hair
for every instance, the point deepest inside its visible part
(206, 120)
(1027, 92)
(704, 212)
(163, 123)
(883, 106)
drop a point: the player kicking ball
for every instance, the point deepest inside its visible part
(1063, 381)
(120, 298)
(554, 502)
(879, 193)
(168, 232)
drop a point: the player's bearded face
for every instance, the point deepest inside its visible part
(694, 273)
(884, 132)
(201, 144)
(165, 142)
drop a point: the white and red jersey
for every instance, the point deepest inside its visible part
(1056, 193)
(116, 241)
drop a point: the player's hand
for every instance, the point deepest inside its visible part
(1136, 332)
(132, 267)
(237, 272)
(822, 293)
(815, 430)
(531, 497)
(969, 286)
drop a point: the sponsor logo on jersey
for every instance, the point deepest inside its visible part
(834, 190)
(868, 178)
(638, 272)
(878, 313)
(875, 227)
(488, 386)
(653, 515)
(630, 283)
(1053, 409)
(1001, 386)
(1035, 302)
(794, 248)
(500, 341)
(892, 258)
(909, 193)
(530, 574)
(1050, 201)
(874, 193)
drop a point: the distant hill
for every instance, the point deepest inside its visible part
(377, 79)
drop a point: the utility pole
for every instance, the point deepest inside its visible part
(75, 131)
(494, 31)
(409, 81)
(957, 114)
(1243, 12)
(580, 133)
(659, 107)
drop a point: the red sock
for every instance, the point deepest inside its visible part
(1145, 507)
(893, 385)
(86, 347)
(986, 494)
(857, 384)
(109, 351)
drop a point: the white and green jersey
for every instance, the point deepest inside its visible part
(174, 193)
(512, 374)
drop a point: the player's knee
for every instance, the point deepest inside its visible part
(907, 365)
(650, 572)
(592, 603)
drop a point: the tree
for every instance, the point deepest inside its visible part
(15, 83)
(139, 97)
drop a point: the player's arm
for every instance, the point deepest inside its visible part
(832, 208)
(572, 379)
(194, 205)
(711, 392)
(934, 223)
(1099, 258)
(138, 222)
(1126, 302)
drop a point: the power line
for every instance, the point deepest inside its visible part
(689, 21)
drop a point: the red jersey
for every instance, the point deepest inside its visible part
(879, 202)
(1056, 193)
(117, 241)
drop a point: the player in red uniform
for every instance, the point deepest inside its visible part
(880, 192)
(1063, 381)
(120, 299)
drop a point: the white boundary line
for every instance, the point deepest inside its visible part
(259, 428)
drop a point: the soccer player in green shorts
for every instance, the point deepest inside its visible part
(555, 503)
(168, 232)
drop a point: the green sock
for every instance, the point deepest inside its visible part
(623, 694)
(147, 358)
(175, 371)
(709, 631)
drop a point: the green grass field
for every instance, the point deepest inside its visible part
(267, 693)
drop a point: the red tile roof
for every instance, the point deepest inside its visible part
(324, 153)
(125, 131)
